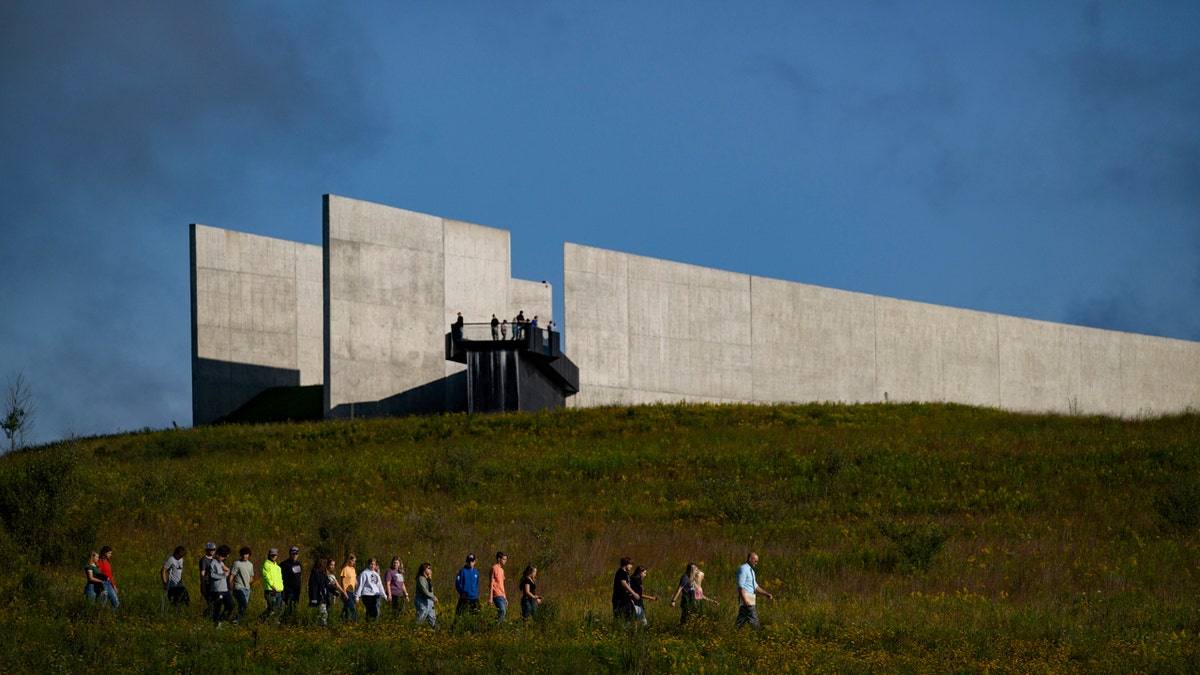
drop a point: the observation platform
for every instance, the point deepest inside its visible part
(524, 370)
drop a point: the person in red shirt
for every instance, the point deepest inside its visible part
(110, 584)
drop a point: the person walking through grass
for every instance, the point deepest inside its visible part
(425, 601)
(529, 597)
(292, 572)
(349, 583)
(172, 578)
(94, 586)
(685, 593)
(218, 586)
(110, 584)
(496, 587)
(698, 584)
(636, 582)
(210, 549)
(397, 592)
(748, 592)
(371, 589)
(243, 579)
(466, 584)
(623, 596)
(272, 576)
(318, 590)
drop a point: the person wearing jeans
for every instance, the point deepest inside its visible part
(243, 577)
(110, 586)
(350, 586)
(499, 599)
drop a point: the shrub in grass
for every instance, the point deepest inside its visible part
(917, 544)
(1178, 503)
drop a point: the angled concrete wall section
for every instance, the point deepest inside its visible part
(256, 318)
(644, 330)
(395, 281)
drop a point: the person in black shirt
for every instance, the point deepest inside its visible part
(291, 570)
(623, 596)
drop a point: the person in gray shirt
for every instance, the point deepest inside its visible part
(243, 577)
(218, 586)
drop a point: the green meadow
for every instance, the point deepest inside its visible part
(895, 538)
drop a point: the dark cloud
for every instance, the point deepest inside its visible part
(1134, 125)
(121, 123)
(1123, 312)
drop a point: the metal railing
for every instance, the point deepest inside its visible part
(480, 332)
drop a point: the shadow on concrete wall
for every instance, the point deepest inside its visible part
(445, 395)
(221, 387)
(281, 404)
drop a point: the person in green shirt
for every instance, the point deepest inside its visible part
(272, 583)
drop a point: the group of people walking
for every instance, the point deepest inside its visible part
(628, 596)
(226, 584)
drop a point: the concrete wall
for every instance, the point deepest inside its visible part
(395, 280)
(646, 330)
(256, 318)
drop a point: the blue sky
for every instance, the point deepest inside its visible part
(1038, 159)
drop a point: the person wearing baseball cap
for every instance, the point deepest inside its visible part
(467, 585)
(210, 549)
(272, 583)
(293, 583)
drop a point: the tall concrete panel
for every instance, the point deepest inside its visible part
(395, 281)
(534, 298)
(812, 343)
(931, 353)
(645, 330)
(386, 309)
(256, 318)
(655, 330)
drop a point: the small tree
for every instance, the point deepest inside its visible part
(19, 411)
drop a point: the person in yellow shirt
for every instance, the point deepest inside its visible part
(350, 586)
(272, 583)
(497, 592)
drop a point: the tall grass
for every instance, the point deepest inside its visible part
(918, 538)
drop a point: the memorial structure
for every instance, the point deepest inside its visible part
(364, 318)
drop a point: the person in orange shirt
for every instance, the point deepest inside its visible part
(497, 593)
(350, 586)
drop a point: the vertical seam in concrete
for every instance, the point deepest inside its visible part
(875, 349)
(999, 367)
(195, 317)
(326, 292)
(753, 386)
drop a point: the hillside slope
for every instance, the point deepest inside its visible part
(917, 537)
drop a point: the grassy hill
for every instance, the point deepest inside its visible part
(916, 538)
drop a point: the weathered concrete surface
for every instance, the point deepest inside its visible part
(396, 280)
(646, 330)
(256, 318)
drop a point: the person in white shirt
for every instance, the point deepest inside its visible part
(371, 589)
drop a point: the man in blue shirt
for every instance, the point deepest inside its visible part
(467, 585)
(748, 589)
